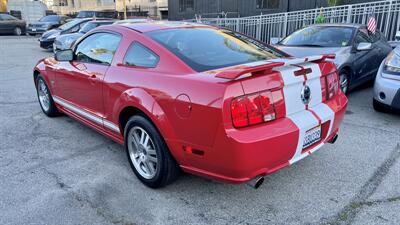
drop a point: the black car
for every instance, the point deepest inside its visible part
(65, 41)
(11, 25)
(358, 51)
(46, 23)
(47, 39)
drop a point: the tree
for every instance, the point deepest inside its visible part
(335, 2)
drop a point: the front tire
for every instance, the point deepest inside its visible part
(45, 99)
(148, 154)
(18, 31)
(379, 107)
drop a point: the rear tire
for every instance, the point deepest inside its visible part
(148, 154)
(45, 99)
(18, 31)
(344, 81)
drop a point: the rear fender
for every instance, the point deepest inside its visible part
(142, 100)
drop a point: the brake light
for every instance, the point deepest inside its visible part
(332, 85)
(257, 108)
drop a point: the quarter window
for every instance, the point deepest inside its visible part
(267, 4)
(186, 5)
(141, 56)
(98, 48)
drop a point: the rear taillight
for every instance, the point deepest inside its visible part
(257, 108)
(332, 85)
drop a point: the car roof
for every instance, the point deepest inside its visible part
(351, 25)
(149, 26)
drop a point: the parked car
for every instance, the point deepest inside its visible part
(143, 85)
(396, 42)
(97, 14)
(66, 40)
(47, 39)
(358, 52)
(387, 84)
(46, 23)
(11, 25)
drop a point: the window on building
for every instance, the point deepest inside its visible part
(186, 5)
(267, 4)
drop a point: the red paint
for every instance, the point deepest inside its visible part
(204, 121)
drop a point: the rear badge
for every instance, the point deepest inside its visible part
(306, 94)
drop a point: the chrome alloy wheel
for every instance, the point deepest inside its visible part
(44, 96)
(343, 83)
(142, 152)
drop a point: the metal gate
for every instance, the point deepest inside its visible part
(264, 27)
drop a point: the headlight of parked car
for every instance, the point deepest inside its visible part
(392, 63)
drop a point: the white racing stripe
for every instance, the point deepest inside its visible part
(296, 109)
(90, 116)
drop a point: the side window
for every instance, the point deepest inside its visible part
(97, 48)
(361, 37)
(141, 56)
(375, 37)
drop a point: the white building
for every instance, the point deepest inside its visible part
(153, 8)
(74, 6)
(30, 10)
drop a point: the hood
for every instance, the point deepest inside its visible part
(72, 36)
(299, 51)
(51, 32)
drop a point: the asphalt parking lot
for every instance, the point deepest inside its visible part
(58, 171)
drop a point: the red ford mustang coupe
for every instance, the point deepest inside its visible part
(206, 100)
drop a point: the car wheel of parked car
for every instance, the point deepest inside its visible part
(17, 31)
(45, 98)
(148, 154)
(344, 81)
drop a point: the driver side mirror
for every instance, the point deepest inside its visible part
(64, 55)
(364, 46)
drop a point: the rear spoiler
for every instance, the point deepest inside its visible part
(249, 69)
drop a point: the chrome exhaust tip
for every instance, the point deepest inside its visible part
(333, 140)
(256, 182)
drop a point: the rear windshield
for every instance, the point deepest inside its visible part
(207, 49)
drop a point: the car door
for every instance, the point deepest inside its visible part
(80, 81)
(6, 23)
(2, 24)
(364, 61)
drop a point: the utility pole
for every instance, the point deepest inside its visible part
(124, 4)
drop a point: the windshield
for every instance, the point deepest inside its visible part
(85, 14)
(87, 27)
(206, 49)
(70, 24)
(320, 36)
(49, 18)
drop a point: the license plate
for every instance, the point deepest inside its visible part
(33, 29)
(312, 136)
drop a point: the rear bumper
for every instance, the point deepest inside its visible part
(240, 155)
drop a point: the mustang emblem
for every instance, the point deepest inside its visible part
(306, 95)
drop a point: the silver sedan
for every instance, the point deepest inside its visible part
(387, 83)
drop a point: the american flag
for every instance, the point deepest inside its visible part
(371, 26)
